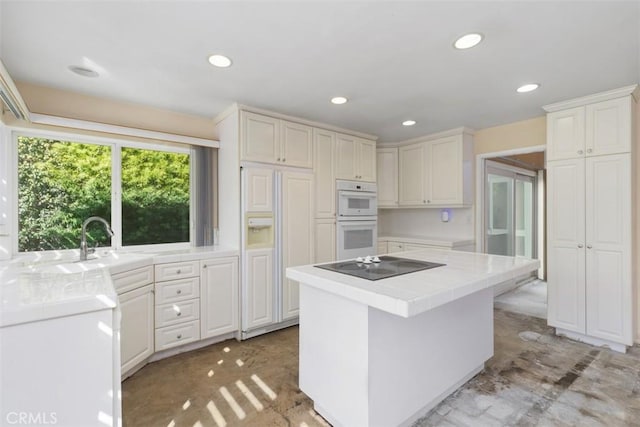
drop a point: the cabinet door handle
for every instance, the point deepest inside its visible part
(589, 150)
(179, 271)
(580, 245)
(589, 246)
(424, 201)
(428, 201)
(284, 160)
(278, 159)
(179, 291)
(179, 336)
(179, 314)
(580, 152)
(204, 266)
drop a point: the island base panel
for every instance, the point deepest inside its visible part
(362, 366)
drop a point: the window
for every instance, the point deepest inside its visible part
(145, 193)
(155, 197)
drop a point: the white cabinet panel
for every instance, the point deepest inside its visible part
(177, 270)
(260, 138)
(136, 328)
(387, 166)
(324, 170)
(258, 288)
(436, 173)
(411, 160)
(297, 234)
(566, 134)
(218, 296)
(444, 179)
(566, 244)
(383, 247)
(608, 128)
(177, 335)
(325, 240)
(177, 312)
(259, 190)
(395, 247)
(366, 160)
(355, 158)
(296, 144)
(608, 243)
(345, 157)
(177, 290)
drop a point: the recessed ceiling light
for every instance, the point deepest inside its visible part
(468, 40)
(219, 61)
(528, 87)
(408, 123)
(83, 71)
(338, 100)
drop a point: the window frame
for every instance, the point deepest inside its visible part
(116, 145)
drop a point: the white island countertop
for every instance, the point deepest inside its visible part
(414, 293)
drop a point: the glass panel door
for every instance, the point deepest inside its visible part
(525, 216)
(499, 239)
(510, 212)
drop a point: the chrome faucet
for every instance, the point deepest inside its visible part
(84, 251)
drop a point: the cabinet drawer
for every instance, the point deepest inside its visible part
(173, 336)
(177, 270)
(177, 290)
(133, 279)
(177, 312)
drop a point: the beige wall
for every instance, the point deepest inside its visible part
(61, 103)
(521, 134)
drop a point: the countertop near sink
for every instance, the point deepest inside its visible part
(36, 287)
(444, 242)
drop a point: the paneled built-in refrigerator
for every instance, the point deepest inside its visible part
(277, 232)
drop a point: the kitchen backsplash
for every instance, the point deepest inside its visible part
(426, 222)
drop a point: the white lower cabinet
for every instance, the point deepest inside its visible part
(589, 253)
(218, 296)
(258, 288)
(383, 247)
(177, 305)
(395, 247)
(325, 240)
(136, 328)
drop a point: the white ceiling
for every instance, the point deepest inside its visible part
(393, 60)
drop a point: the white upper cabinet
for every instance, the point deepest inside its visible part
(608, 129)
(324, 172)
(436, 173)
(356, 158)
(296, 144)
(411, 165)
(387, 165)
(270, 140)
(592, 130)
(260, 140)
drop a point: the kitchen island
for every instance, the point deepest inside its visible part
(385, 352)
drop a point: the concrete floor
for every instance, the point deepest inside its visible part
(534, 379)
(529, 299)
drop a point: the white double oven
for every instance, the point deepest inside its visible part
(357, 224)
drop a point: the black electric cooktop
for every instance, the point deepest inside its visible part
(389, 266)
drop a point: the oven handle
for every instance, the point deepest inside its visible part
(359, 194)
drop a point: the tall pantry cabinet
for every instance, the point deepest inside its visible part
(591, 217)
